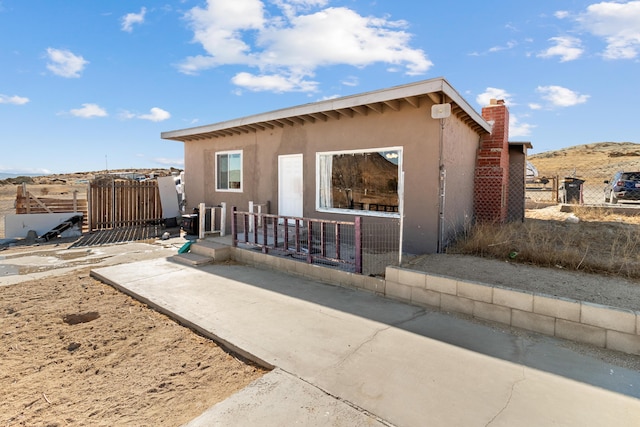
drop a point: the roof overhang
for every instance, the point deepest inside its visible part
(436, 90)
(524, 144)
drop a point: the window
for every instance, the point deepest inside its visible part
(364, 181)
(229, 171)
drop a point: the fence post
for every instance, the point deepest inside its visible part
(213, 219)
(113, 203)
(285, 221)
(265, 234)
(251, 222)
(245, 225)
(309, 241)
(338, 241)
(358, 235)
(234, 228)
(223, 218)
(90, 208)
(202, 215)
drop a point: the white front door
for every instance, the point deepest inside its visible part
(290, 185)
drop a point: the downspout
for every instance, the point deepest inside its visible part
(401, 209)
(441, 190)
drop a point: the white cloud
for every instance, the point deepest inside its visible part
(88, 111)
(560, 96)
(350, 81)
(517, 129)
(561, 14)
(619, 25)
(126, 115)
(292, 7)
(535, 106)
(133, 18)
(567, 48)
(510, 45)
(15, 100)
(493, 93)
(64, 63)
(288, 48)
(155, 115)
(277, 83)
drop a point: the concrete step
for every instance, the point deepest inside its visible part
(193, 259)
(215, 250)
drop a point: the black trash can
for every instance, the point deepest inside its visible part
(572, 190)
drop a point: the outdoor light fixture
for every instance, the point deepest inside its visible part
(440, 111)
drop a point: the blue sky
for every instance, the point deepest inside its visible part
(86, 85)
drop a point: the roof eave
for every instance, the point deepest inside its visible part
(335, 107)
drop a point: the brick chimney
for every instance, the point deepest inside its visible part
(492, 166)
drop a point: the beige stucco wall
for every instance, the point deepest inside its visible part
(460, 150)
(411, 128)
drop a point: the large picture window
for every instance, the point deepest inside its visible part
(229, 171)
(364, 180)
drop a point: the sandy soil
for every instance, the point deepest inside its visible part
(121, 364)
(77, 352)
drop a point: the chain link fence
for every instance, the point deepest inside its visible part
(380, 245)
(585, 187)
(586, 175)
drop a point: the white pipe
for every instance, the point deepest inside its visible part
(401, 209)
(223, 218)
(201, 218)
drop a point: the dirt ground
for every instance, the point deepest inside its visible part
(76, 351)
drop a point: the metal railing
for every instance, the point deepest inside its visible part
(316, 241)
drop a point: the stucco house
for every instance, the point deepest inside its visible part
(419, 151)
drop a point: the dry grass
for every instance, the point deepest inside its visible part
(599, 243)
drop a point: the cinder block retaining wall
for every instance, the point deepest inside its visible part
(594, 324)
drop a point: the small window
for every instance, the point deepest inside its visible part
(360, 182)
(229, 171)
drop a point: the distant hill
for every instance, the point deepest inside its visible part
(4, 175)
(82, 176)
(599, 160)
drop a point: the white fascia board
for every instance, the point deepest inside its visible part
(396, 92)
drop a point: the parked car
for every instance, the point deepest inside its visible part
(623, 186)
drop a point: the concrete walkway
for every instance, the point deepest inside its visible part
(346, 357)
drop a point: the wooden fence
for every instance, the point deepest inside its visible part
(28, 203)
(123, 203)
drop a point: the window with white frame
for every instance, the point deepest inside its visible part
(229, 171)
(362, 180)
